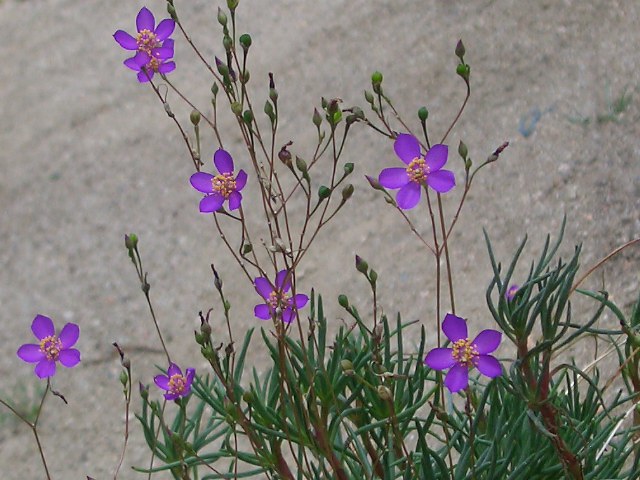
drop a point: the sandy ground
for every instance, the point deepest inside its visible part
(87, 155)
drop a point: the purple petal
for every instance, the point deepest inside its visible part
(162, 381)
(407, 147)
(440, 359)
(262, 311)
(280, 281)
(145, 75)
(69, 357)
(167, 67)
(69, 335)
(223, 161)
(132, 63)
(300, 300)
(457, 379)
(436, 157)
(455, 328)
(142, 58)
(487, 341)
(408, 196)
(165, 28)
(263, 287)
(241, 180)
(191, 372)
(171, 396)
(202, 182)
(125, 40)
(46, 368)
(211, 203)
(170, 44)
(235, 198)
(489, 366)
(30, 353)
(145, 20)
(173, 370)
(163, 53)
(395, 177)
(42, 327)
(441, 180)
(288, 315)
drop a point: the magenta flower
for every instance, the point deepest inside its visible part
(221, 187)
(279, 303)
(152, 45)
(464, 354)
(174, 382)
(511, 292)
(51, 348)
(419, 171)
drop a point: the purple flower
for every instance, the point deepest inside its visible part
(418, 172)
(51, 348)
(464, 354)
(278, 302)
(511, 292)
(221, 187)
(147, 65)
(175, 384)
(152, 45)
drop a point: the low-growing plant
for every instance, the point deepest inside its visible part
(365, 397)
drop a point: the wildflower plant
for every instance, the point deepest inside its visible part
(364, 396)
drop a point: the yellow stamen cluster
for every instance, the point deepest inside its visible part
(224, 184)
(147, 41)
(464, 352)
(177, 384)
(51, 347)
(417, 170)
(278, 300)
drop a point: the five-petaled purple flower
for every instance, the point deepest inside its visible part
(152, 45)
(511, 292)
(174, 382)
(51, 348)
(464, 354)
(279, 303)
(419, 171)
(221, 187)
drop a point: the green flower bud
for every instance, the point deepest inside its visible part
(172, 12)
(194, 117)
(214, 89)
(247, 116)
(343, 301)
(348, 168)
(462, 150)
(368, 96)
(200, 338)
(222, 17)
(375, 184)
(464, 71)
(316, 119)
(423, 114)
(245, 41)
(361, 265)
(347, 192)
(232, 4)
(268, 109)
(373, 276)
(376, 82)
(248, 396)
(236, 108)
(124, 378)
(301, 165)
(205, 328)
(347, 367)
(131, 241)
(144, 390)
(227, 43)
(247, 248)
(324, 192)
(244, 77)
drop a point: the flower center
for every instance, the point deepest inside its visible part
(465, 353)
(224, 184)
(417, 170)
(278, 299)
(51, 347)
(147, 41)
(177, 384)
